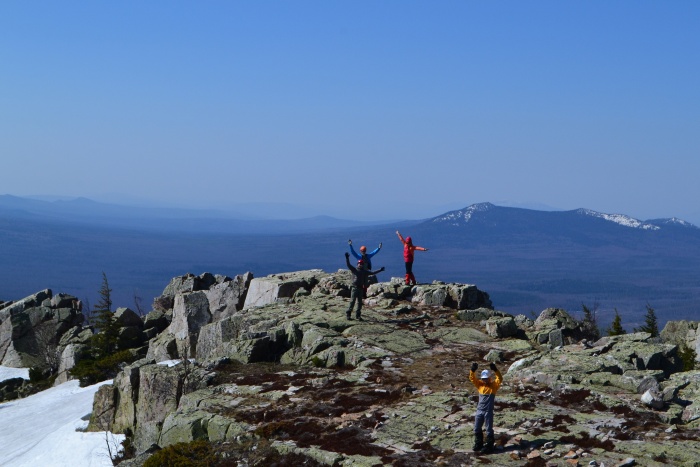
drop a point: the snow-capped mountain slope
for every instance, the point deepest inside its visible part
(491, 213)
(621, 219)
(462, 216)
(672, 221)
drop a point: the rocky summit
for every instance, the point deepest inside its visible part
(272, 365)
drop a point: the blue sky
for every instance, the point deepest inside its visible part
(360, 109)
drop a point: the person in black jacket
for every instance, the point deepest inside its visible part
(357, 290)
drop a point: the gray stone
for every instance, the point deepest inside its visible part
(280, 287)
(162, 348)
(501, 327)
(227, 297)
(190, 313)
(126, 317)
(480, 314)
(157, 320)
(69, 357)
(653, 399)
(62, 300)
(30, 333)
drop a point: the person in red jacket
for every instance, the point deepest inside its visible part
(408, 249)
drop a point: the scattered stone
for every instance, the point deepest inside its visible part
(653, 399)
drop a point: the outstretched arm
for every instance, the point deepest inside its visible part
(420, 248)
(347, 262)
(354, 253)
(372, 273)
(375, 251)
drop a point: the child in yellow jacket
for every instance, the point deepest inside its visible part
(487, 384)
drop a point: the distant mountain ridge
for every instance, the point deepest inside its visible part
(464, 216)
(526, 259)
(87, 211)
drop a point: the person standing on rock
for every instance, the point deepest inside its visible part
(357, 290)
(487, 384)
(367, 258)
(408, 249)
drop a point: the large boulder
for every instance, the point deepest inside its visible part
(246, 338)
(190, 313)
(183, 284)
(141, 398)
(228, 296)
(457, 296)
(683, 333)
(280, 287)
(126, 317)
(31, 330)
(554, 327)
(501, 327)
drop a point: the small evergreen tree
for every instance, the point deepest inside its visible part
(104, 342)
(688, 357)
(651, 324)
(590, 323)
(616, 328)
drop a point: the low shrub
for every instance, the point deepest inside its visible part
(90, 371)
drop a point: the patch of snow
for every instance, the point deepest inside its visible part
(8, 373)
(673, 221)
(620, 219)
(463, 216)
(172, 363)
(40, 430)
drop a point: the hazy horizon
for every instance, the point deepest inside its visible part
(390, 110)
(292, 211)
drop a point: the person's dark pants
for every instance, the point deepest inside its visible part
(410, 278)
(484, 418)
(356, 295)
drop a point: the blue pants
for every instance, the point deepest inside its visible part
(481, 417)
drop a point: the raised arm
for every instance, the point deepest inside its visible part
(347, 262)
(400, 237)
(375, 251)
(354, 253)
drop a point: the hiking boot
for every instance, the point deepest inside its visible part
(478, 442)
(359, 318)
(488, 447)
(347, 316)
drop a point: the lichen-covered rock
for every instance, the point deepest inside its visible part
(69, 357)
(103, 407)
(457, 296)
(228, 296)
(31, 330)
(184, 284)
(480, 314)
(184, 426)
(683, 333)
(190, 313)
(501, 327)
(652, 398)
(158, 320)
(280, 287)
(163, 347)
